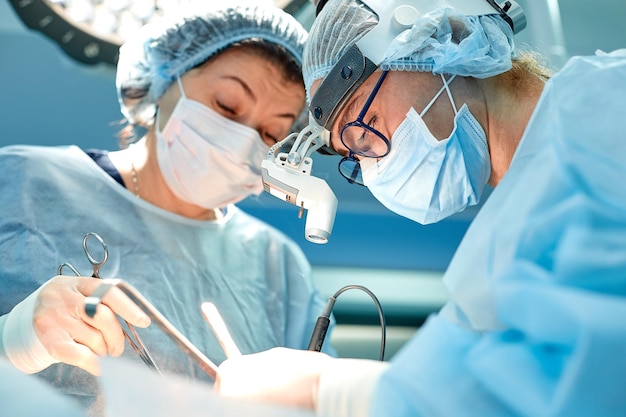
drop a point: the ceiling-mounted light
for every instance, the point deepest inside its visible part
(91, 31)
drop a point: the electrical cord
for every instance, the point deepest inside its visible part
(323, 321)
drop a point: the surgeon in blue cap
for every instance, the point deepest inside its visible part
(537, 288)
(213, 88)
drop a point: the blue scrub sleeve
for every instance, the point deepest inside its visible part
(563, 362)
(26, 395)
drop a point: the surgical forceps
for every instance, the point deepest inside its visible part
(134, 341)
(168, 328)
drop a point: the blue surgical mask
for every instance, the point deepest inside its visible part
(425, 179)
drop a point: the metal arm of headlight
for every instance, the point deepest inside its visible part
(287, 175)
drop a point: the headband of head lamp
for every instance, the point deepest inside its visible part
(364, 57)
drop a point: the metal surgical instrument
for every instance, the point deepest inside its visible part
(174, 334)
(134, 340)
(168, 328)
(96, 264)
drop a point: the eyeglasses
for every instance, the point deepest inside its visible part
(363, 140)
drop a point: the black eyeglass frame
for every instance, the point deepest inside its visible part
(355, 173)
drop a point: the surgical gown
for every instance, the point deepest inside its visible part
(17, 391)
(259, 280)
(535, 324)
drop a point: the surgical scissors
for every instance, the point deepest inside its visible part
(95, 264)
(134, 341)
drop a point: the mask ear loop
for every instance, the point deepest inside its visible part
(158, 112)
(180, 87)
(158, 120)
(444, 87)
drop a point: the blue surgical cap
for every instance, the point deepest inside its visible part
(150, 61)
(442, 41)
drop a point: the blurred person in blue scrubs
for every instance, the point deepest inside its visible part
(537, 288)
(164, 205)
(17, 391)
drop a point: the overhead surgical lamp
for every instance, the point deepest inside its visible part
(92, 31)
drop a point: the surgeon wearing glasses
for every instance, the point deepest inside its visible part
(537, 289)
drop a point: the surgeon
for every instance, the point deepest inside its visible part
(537, 288)
(212, 89)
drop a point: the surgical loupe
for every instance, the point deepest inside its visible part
(287, 175)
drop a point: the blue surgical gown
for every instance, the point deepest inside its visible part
(23, 395)
(259, 280)
(535, 324)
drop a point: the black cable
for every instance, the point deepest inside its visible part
(323, 321)
(319, 6)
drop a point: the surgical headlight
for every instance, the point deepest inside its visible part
(287, 175)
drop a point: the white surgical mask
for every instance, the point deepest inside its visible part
(425, 179)
(207, 159)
